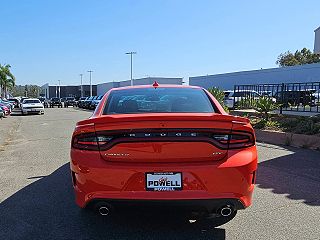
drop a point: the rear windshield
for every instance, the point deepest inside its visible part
(158, 100)
(70, 98)
(31, 101)
(55, 99)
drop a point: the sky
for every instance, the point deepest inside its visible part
(51, 40)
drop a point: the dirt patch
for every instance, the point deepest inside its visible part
(8, 129)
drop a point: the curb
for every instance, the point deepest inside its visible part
(288, 139)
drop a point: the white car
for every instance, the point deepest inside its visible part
(32, 105)
(231, 98)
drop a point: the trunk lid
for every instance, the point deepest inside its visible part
(162, 137)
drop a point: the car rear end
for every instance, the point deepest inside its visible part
(6, 110)
(70, 101)
(167, 144)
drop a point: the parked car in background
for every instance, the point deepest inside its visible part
(7, 104)
(81, 102)
(32, 105)
(87, 102)
(44, 101)
(21, 100)
(6, 110)
(232, 98)
(95, 102)
(296, 97)
(15, 102)
(316, 97)
(69, 101)
(63, 99)
(171, 145)
(55, 101)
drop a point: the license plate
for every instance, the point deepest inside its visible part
(167, 181)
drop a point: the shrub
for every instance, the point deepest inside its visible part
(219, 95)
(246, 103)
(264, 105)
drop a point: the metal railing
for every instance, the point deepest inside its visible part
(303, 97)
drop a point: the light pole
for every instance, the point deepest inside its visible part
(131, 53)
(81, 89)
(59, 88)
(90, 71)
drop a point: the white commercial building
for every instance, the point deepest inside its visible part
(226, 81)
(104, 87)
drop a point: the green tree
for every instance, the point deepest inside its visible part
(305, 56)
(7, 80)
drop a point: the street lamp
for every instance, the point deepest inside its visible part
(90, 71)
(59, 88)
(81, 89)
(131, 53)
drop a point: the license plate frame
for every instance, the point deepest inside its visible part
(172, 181)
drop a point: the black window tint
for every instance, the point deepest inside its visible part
(157, 100)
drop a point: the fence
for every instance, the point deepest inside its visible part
(290, 96)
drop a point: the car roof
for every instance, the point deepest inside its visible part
(31, 99)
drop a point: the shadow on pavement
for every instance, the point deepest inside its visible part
(297, 175)
(45, 209)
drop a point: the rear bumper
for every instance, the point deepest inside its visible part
(39, 110)
(220, 182)
(196, 205)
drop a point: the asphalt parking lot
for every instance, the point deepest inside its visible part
(37, 202)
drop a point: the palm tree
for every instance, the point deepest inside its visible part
(7, 80)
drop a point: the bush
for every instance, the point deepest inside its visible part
(264, 105)
(219, 95)
(246, 103)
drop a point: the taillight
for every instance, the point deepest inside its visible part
(235, 140)
(241, 140)
(89, 141)
(105, 140)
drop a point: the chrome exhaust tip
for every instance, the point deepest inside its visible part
(104, 210)
(226, 211)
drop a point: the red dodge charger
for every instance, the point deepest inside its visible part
(167, 144)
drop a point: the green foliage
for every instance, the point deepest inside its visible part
(264, 105)
(299, 125)
(303, 125)
(305, 56)
(267, 124)
(219, 95)
(246, 103)
(7, 79)
(31, 91)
